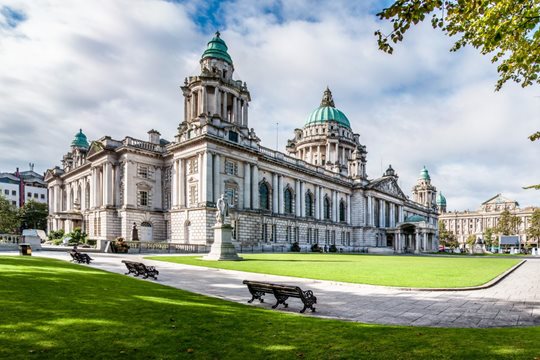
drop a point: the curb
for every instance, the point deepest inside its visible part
(487, 285)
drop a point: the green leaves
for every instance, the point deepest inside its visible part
(508, 28)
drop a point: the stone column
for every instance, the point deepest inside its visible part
(302, 199)
(224, 115)
(317, 198)
(416, 241)
(157, 201)
(319, 162)
(202, 185)
(255, 187)
(369, 211)
(217, 177)
(281, 202)
(246, 114)
(348, 215)
(392, 214)
(247, 186)
(204, 102)
(186, 111)
(208, 183)
(401, 219)
(382, 213)
(174, 184)
(424, 241)
(194, 104)
(335, 206)
(116, 186)
(320, 207)
(234, 111)
(181, 188)
(127, 183)
(297, 197)
(275, 193)
(108, 183)
(217, 96)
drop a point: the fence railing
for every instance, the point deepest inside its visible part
(11, 239)
(143, 247)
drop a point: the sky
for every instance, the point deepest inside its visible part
(114, 67)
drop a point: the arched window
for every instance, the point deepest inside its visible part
(309, 204)
(342, 209)
(327, 208)
(264, 196)
(288, 201)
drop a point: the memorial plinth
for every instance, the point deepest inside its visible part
(222, 249)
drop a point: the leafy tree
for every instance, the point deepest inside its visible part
(533, 232)
(489, 240)
(9, 218)
(446, 237)
(33, 215)
(508, 30)
(55, 235)
(508, 223)
(77, 236)
(471, 240)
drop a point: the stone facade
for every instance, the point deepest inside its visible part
(318, 192)
(466, 223)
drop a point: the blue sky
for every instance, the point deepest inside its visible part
(113, 67)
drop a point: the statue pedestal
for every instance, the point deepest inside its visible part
(222, 249)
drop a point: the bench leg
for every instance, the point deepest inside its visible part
(280, 300)
(256, 295)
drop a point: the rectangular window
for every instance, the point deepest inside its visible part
(234, 225)
(233, 136)
(143, 198)
(309, 235)
(35, 195)
(376, 213)
(297, 234)
(231, 167)
(274, 233)
(348, 239)
(7, 192)
(265, 232)
(14, 203)
(193, 166)
(333, 237)
(42, 196)
(231, 194)
(193, 194)
(13, 192)
(326, 237)
(143, 171)
(316, 236)
(288, 234)
(29, 195)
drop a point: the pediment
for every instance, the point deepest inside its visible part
(388, 186)
(95, 147)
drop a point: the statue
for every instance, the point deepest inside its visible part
(222, 209)
(134, 233)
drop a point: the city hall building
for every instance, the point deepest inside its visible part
(316, 192)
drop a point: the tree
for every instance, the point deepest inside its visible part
(471, 240)
(508, 224)
(446, 238)
(508, 30)
(489, 240)
(9, 218)
(533, 232)
(34, 215)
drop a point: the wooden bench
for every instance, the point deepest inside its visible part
(80, 257)
(137, 268)
(281, 292)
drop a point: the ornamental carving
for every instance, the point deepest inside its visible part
(390, 187)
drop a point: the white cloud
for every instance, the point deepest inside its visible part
(114, 68)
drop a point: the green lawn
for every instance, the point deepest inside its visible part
(56, 310)
(407, 271)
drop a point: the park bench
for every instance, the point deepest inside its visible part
(137, 268)
(281, 292)
(80, 257)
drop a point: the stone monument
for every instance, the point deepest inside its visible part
(222, 248)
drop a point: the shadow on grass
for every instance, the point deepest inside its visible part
(91, 314)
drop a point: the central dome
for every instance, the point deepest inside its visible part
(327, 112)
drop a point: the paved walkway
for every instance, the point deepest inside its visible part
(515, 301)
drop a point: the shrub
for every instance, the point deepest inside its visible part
(295, 247)
(332, 248)
(316, 248)
(55, 235)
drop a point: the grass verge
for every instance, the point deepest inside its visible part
(57, 310)
(402, 271)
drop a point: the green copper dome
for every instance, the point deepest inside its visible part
(327, 112)
(80, 140)
(424, 174)
(441, 200)
(217, 49)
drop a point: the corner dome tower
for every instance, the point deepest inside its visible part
(326, 112)
(80, 141)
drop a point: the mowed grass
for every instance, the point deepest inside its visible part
(402, 271)
(57, 310)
